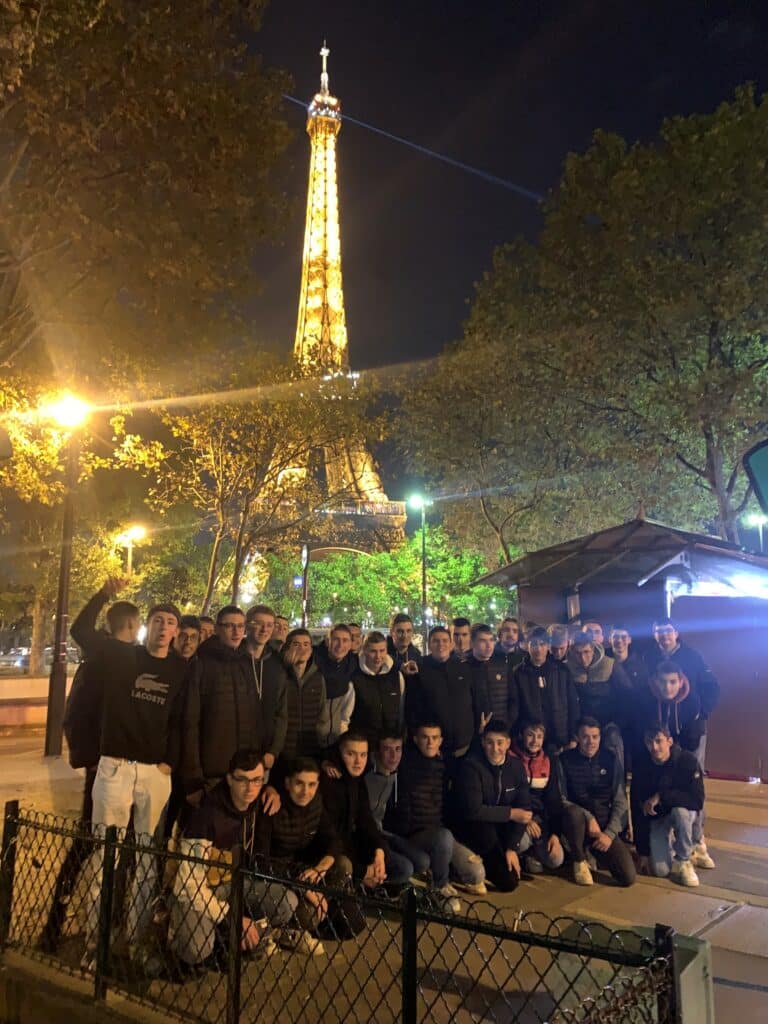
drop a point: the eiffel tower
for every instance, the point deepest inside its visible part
(364, 516)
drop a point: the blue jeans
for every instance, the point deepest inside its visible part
(672, 834)
(399, 867)
(539, 848)
(698, 822)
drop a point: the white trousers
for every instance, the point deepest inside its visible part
(120, 786)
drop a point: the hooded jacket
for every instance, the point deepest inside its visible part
(547, 693)
(379, 701)
(444, 692)
(682, 716)
(700, 676)
(412, 653)
(349, 810)
(542, 784)
(678, 782)
(604, 689)
(339, 691)
(485, 793)
(233, 700)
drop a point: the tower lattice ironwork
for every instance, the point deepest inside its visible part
(321, 347)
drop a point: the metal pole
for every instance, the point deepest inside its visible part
(410, 971)
(424, 578)
(305, 553)
(8, 868)
(57, 682)
(234, 962)
(106, 902)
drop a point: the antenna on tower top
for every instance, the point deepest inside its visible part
(324, 53)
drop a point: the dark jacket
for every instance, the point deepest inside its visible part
(219, 821)
(349, 810)
(411, 654)
(82, 716)
(485, 793)
(548, 694)
(141, 694)
(541, 773)
(308, 715)
(596, 784)
(513, 658)
(493, 687)
(682, 716)
(604, 689)
(679, 783)
(421, 783)
(636, 670)
(337, 674)
(379, 702)
(382, 791)
(233, 700)
(698, 673)
(444, 692)
(296, 835)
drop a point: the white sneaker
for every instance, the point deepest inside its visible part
(682, 871)
(452, 902)
(297, 941)
(473, 888)
(581, 873)
(700, 857)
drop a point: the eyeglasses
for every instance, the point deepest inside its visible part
(243, 781)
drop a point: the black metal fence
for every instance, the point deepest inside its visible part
(167, 930)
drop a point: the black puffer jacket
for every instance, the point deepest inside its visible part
(349, 809)
(444, 692)
(421, 785)
(548, 694)
(485, 793)
(493, 686)
(232, 701)
(308, 717)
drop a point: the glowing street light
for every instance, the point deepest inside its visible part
(68, 412)
(419, 503)
(759, 520)
(132, 535)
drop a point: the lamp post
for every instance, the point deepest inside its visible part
(419, 504)
(69, 413)
(759, 520)
(127, 539)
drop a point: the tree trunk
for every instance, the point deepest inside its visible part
(41, 635)
(240, 550)
(727, 523)
(213, 567)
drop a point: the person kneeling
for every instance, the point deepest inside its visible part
(594, 806)
(493, 806)
(540, 840)
(667, 793)
(226, 817)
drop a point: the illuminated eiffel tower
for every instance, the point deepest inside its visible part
(321, 348)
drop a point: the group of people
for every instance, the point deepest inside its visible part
(358, 761)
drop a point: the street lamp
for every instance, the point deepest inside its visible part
(68, 413)
(420, 504)
(759, 520)
(127, 539)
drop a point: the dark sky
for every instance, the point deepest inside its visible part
(509, 86)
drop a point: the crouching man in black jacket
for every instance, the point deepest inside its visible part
(667, 793)
(493, 806)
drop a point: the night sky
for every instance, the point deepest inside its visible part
(508, 86)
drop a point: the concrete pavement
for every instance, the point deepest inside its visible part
(729, 909)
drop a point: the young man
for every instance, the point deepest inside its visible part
(356, 632)
(559, 641)
(309, 721)
(139, 740)
(595, 632)
(281, 630)
(444, 691)
(379, 691)
(417, 818)
(461, 630)
(632, 663)
(227, 816)
(400, 648)
(508, 646)
(541, 832)
(187, 639)
(604, 690)
(667, 793)
(345, 797)
(235, 700)
(207, 627)
(594, 806)
(493, 806)
(546, 693)
(381, 783)
(300, 841)
(337, 663)
(491, 676)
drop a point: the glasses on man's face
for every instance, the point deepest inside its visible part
(243, 780)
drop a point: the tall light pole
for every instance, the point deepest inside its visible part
(69, 413)
(127, 539)
(759, 520)
(419, 504)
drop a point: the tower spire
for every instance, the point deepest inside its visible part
(325, 54)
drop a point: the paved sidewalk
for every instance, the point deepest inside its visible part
(730, 908)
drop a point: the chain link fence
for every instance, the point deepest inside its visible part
(168, 930)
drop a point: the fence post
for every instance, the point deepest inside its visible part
(664, 937)
(8, 868)
(234, 962)
(105, 912)
(409, 975)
